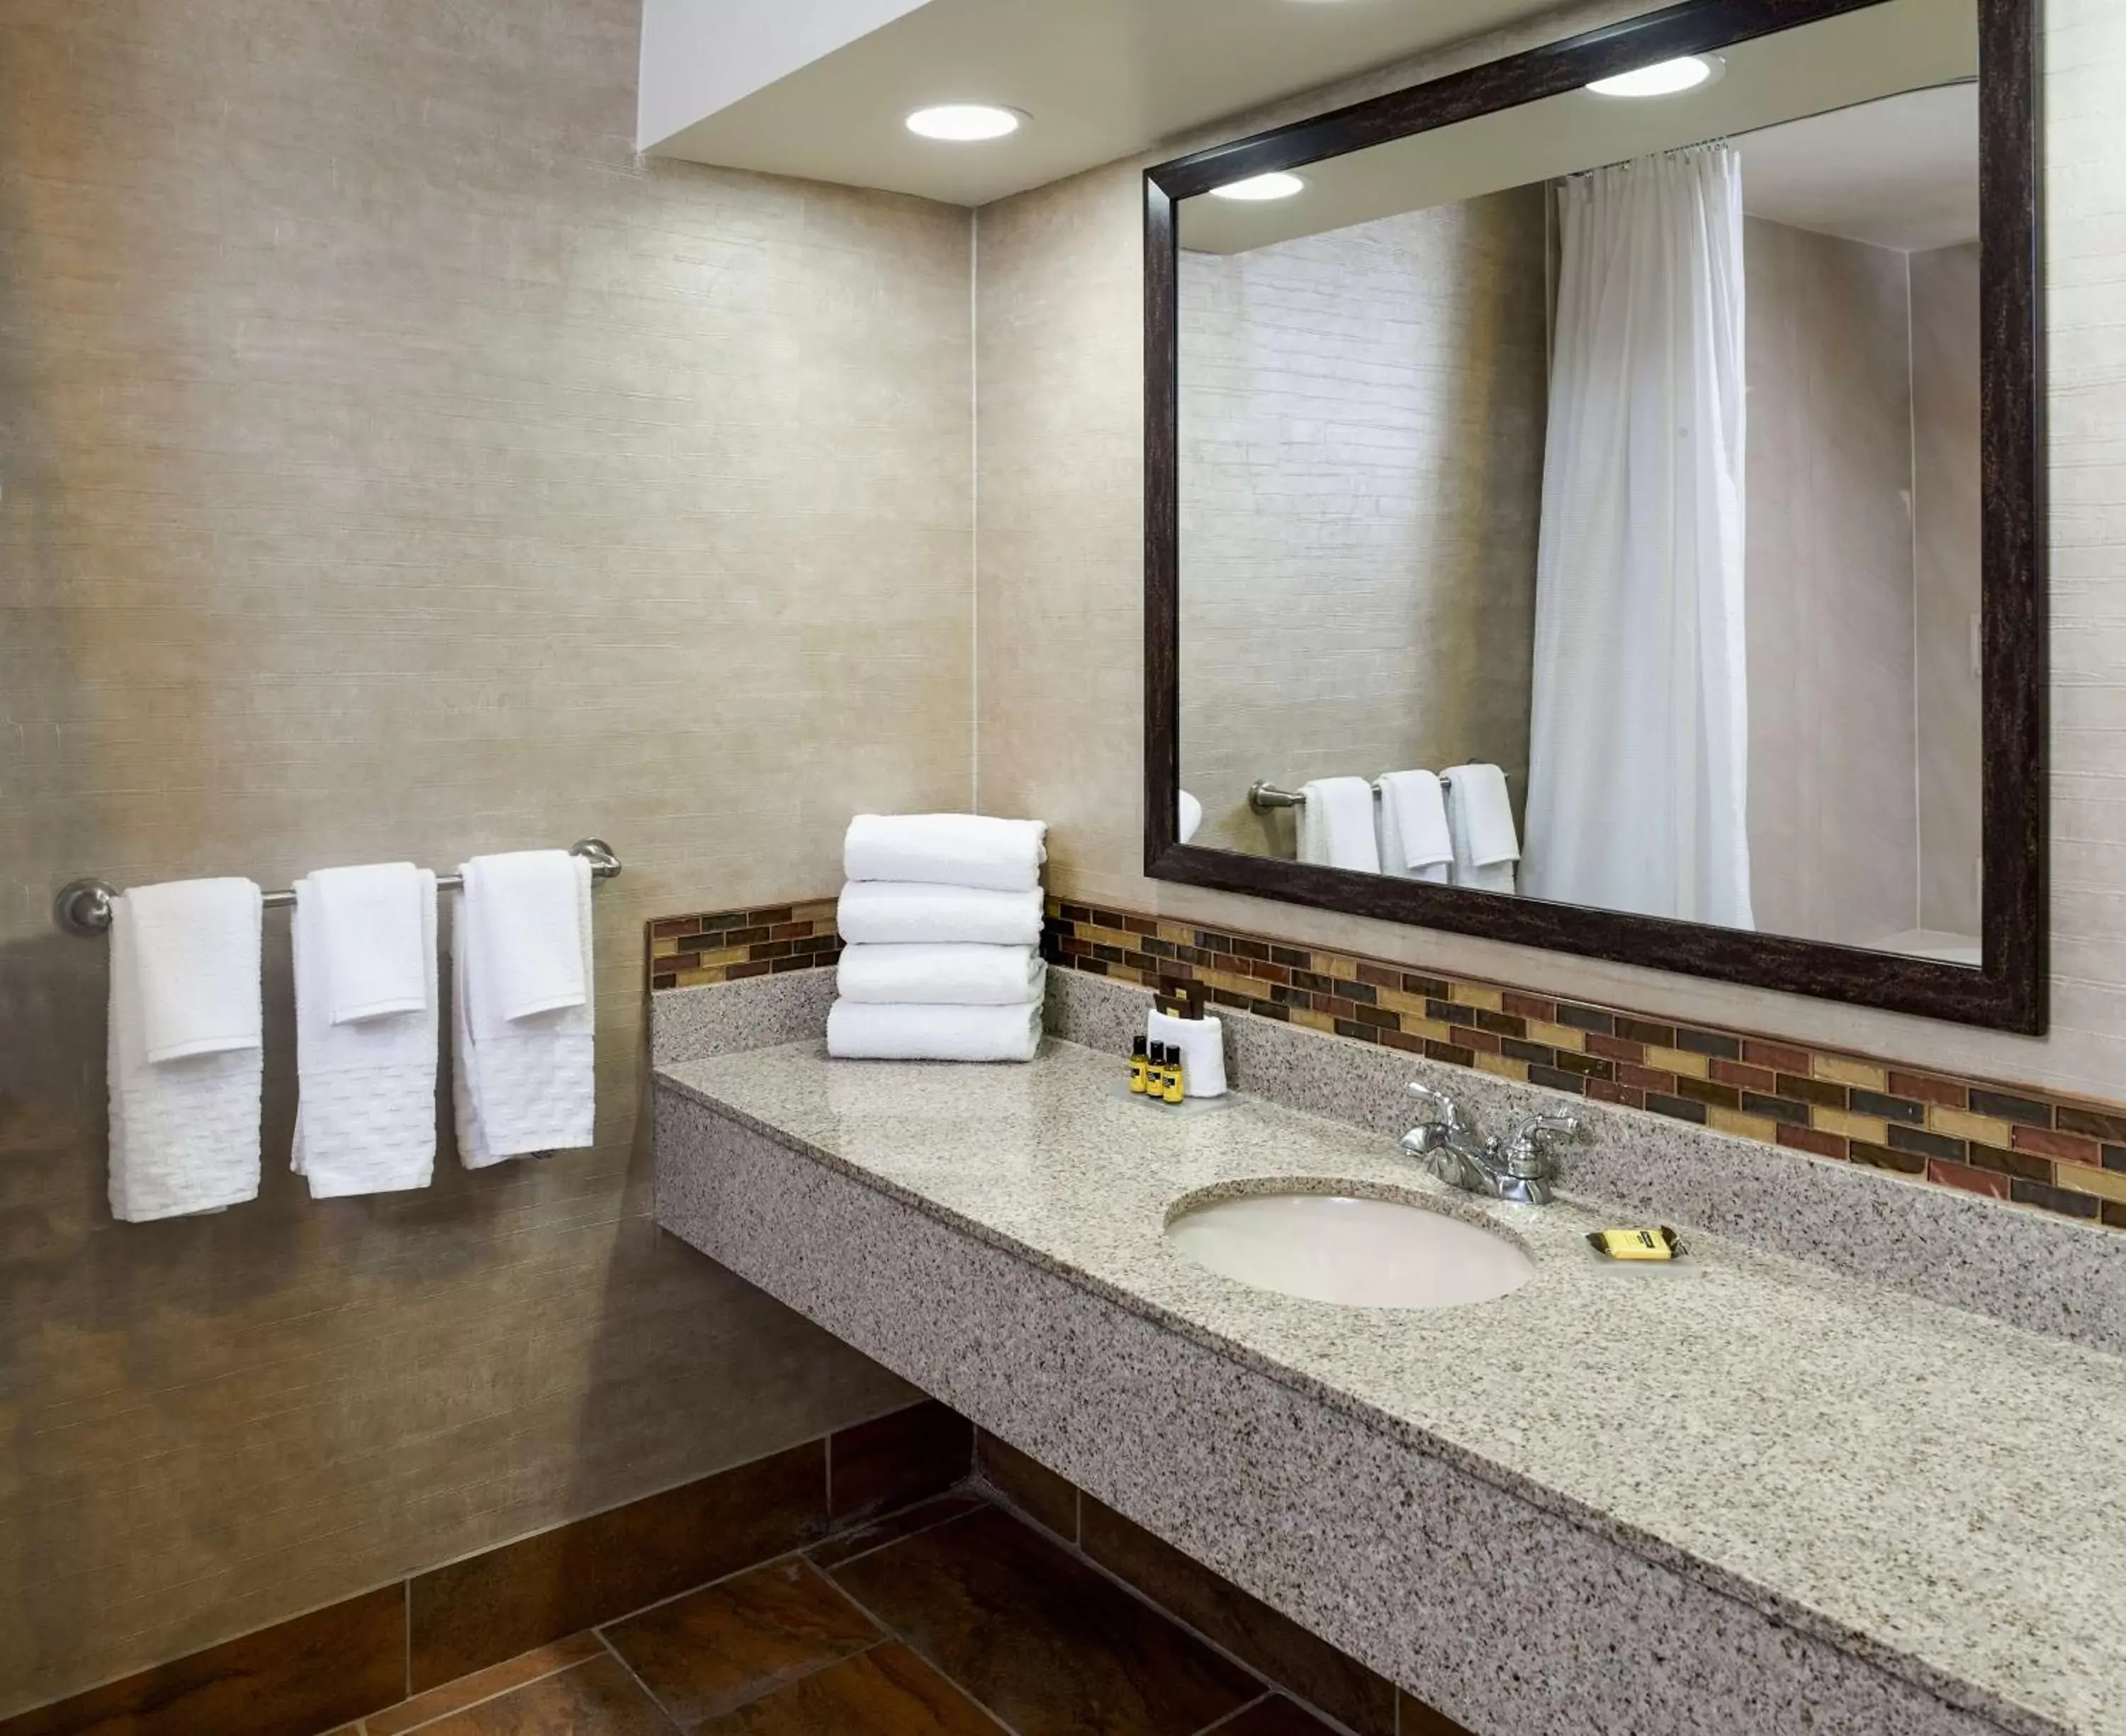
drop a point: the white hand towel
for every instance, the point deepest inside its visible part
(1203, 1045)
(196, 951)
(517, 1086)
(1336, 824)
(184, 1133)
(1188, 816)
(889, 911)
(879, 1031)
(945, 850)
(365, 1115)
(1480, 817)
(953, 975)
(532, 956)
(377, 928)
(1415, 843)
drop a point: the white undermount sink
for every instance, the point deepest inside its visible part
(1362, 1253)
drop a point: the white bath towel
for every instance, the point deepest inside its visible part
(184, 1133)
(1415, 843)
(532, 954)
(525, 1085)
(365, 1110)
(1188, 814)
(943, 974)
(882, 1031)
(377, 930)
(196, 947)
(945, 850)
(898, 911)
(1336, 824)
(1480, 815)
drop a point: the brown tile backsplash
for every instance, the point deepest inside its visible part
(2004, 1141)
(728, 946)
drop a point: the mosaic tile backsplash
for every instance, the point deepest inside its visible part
(2060, 1155)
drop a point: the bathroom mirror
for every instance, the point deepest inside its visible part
(1594, 501)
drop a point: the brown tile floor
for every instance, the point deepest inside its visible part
(954, 1618)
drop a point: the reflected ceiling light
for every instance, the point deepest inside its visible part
(1278, 185)
(1665, 78)
(964, 122)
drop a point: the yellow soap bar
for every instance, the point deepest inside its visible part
(1636, 1244)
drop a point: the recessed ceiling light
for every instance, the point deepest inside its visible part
(1665, 78)
(964, 122)
(1279, 186)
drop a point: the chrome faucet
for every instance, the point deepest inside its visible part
(1515, 1168)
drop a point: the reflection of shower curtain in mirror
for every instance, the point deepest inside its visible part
(1639, 750)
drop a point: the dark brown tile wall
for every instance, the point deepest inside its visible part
(2008, 1142)
(292, 1679)
(355, 1658)
(475, 1613)
(922, 1451)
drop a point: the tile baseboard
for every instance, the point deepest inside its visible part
(351, 1660)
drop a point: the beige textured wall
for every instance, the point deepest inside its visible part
(1060, 566)
(393, 467)
(1362, 428)
(1834, 823)
(1947, 518)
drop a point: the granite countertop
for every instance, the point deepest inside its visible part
(1937, 1492)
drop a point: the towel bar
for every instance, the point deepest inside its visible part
(1263, 795)
(83, 906)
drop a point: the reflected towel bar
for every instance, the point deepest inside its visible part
(1263, 795)
(83, 906)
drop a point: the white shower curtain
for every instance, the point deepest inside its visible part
(1639, 750)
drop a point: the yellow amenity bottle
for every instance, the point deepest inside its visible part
(1176, 1079)
(1140, 1070)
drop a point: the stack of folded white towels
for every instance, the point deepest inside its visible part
(941, 920)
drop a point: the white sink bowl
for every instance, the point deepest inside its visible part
(1363, 1253)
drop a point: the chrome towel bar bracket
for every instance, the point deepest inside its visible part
(83, 906)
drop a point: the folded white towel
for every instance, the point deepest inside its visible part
(1415, 843)
(365, 1115)
(1203, 1045)
(1480, 817)
(196, 950)
(1188, 815)
(1336, 824)
(945, 850)
(517, 1086)
(377, 929)
(532, 956)
(184, 1133)
(950, 976)
(890, 911)
(883, 1031)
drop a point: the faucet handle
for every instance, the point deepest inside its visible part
(1447, 1113)
(1525, 1157)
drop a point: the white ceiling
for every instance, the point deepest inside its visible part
(1900, 173)
(1857, 58)
(1100, 79)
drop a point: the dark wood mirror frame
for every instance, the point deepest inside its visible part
(2008, 991)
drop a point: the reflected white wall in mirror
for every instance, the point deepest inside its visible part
(1628, 447)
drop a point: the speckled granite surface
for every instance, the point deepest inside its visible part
(2033, 1269)
(1926, 1491)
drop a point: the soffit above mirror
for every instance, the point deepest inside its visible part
(822, 92)
(1901, 47)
